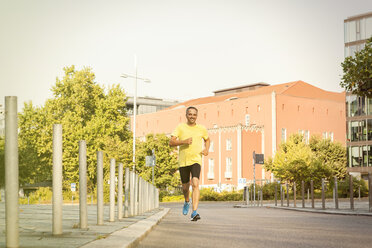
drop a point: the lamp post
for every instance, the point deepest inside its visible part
(135, 77)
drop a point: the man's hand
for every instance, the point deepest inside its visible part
(188, 141)
(205, 152)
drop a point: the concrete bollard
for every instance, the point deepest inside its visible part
(126, 192)
(112, 190)
(370, 191)
(57, 179)
(261, 198)
(281, 195)
(11, 172)
(287, 187)
(323, 194)
(312, 193)
(294, 194)
(135, 194)
(83, 184)
(147, 196)
(131, 190)
(246, 195)
(120, 191)
(336, 193)
(140, 196)
(99, 188)
(303, 193)
(351, 193)
(157, 198)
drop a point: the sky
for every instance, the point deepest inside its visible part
(187, 48)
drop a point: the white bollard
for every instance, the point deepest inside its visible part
(131, 197)
(140, 196)
(136, 194)
(120, 191)
(11, 172)
(126, 201)
(112, 190)
(99, 188)
(57, 179)
(83, 184)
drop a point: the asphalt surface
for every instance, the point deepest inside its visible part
(35, 227)
(222, 225)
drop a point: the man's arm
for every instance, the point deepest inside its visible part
(175, 142)
(207, 143)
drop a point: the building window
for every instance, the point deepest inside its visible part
(331, 136)
(358, 130)
(324, 135)
(247, 119)
(211, 146)
(210, 168)
(302, 132)
(307, 136)
(369, 129)
(284, 134)
(355, 156)
(298, 108)
(369, 106)
(228, 171)
(258, 108)
(228, 145)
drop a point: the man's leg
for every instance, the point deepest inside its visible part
(185, 179)
(195, 193)
(186, 191)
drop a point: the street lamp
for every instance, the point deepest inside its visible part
(124, 75)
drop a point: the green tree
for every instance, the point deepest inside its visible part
(357, 70)
(166, 169)
(86, 111)
(295, 162)
(330, 154)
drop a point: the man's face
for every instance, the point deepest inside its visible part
(191, 116)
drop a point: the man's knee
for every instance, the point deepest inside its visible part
(185, 186)
(195, 183)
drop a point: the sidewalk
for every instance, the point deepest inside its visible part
(35, 227)
(361, 207)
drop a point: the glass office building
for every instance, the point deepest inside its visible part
(358, 109)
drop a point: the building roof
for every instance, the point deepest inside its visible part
(242, 87)
(296, 88)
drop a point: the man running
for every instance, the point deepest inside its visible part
(189, 137)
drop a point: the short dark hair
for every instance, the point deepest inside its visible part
(191, 107)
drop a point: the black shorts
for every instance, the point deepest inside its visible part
(185, 172)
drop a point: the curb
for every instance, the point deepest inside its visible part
(319, 211)
(131, 236)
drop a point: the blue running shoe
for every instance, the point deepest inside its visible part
(186, 208)
(195, 216)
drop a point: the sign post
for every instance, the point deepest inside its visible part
(151, 161)
(259, 159)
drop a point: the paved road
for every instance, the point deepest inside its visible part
(224, 226)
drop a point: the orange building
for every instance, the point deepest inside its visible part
(251, 118)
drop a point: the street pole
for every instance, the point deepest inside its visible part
(153, 165)
(134, 114)
(254, 179)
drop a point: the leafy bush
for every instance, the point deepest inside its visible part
(344, 187)
(42, 195)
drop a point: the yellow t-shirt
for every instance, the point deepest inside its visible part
(190, 154)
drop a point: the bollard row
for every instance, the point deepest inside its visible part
(139, 195)
(249, 195)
